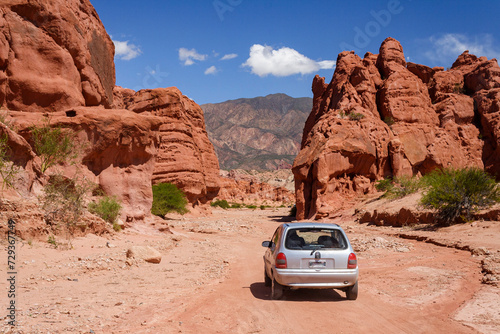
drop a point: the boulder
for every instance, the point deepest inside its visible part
(144, 253)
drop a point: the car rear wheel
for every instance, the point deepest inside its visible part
(352, 292)
(267, 280)
(276, 290)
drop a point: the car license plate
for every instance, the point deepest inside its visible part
(317, 264)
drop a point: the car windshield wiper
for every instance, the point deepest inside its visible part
(315, 249)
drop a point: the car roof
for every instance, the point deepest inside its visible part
(311, 225)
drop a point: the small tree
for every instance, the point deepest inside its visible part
(53, 144)
(168, 198)
(457, 193)
(63, 202)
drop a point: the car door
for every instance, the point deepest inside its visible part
(269, 256)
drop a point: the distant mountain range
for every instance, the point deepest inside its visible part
(261, 133)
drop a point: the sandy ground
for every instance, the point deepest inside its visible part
(210, 280)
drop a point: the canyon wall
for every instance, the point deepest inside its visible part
(57, 65)
(383, 117)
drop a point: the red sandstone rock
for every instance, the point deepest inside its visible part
(251, 192)
(54, 55)
(425, 73)
(258, 188)
(488, 106)
(185, 156)
(431, 123)
(404, 97)
(391, 57)
(119, 150)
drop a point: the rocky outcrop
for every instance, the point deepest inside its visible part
(380, 116)
(56, 61)
(249, 187)
(261, 133)
(54, 55)
(185, 155)
(118, 152)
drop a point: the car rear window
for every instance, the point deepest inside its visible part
(315, 238)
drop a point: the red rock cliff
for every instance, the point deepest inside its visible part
(381, 116)
(53, 55)
(185, 156)
(56, 57)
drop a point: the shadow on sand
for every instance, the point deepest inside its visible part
(282, 219)
(260, 291)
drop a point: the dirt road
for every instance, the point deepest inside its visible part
(210, 280)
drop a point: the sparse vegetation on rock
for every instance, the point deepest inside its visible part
(8, 170)
(63, 202)
(168, 198)
(53, 144)
(399, 187)
(108, 208)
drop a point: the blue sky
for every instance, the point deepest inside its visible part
(218, 50)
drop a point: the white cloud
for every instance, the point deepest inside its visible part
(264, 60)
(211, 70)
(189, 56)
(126, 51)
(449, 46)
(229, 56)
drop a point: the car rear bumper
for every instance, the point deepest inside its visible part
(313, 278)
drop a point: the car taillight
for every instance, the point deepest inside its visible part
(352, 262)
(281, 261)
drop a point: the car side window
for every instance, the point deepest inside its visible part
(275, 238)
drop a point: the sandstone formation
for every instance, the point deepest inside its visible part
(185, 155)
(118, 152)
(53, 55)
(56, 63)
(382, 117)
(261, 133)
(249, 188)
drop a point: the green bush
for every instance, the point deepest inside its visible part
(168, 198)
(251, 206)
(384, 185)
(108, 208)
(53, 144)
(457, 193)
(220, 203)
(403, 186)
(236, 206)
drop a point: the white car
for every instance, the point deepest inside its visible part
(310, 255)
